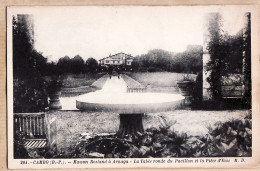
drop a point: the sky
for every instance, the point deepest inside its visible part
(100, 31)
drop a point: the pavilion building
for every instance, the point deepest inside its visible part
(119, 59)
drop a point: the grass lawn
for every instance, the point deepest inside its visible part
(77, 84)
(93, 83)
(159, 81)
(79, 80)
(131, 82)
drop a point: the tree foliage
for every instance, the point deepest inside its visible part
(92, 65)
(161, 60)
(226, 54)
(28, 86)
(77, 65)
(64, 64)
(216, 48)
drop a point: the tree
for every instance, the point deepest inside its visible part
(28, 85)
(64, 64)
(157, 59)
(22, 49)
(218, 51)
(77, 64)
(226, 54)
(234, 61)
(91, 65)
(136, 63)
(40, 62)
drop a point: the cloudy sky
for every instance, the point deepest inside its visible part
(100, 31)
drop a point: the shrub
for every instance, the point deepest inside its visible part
(233, 138)
(30, 94)
(154, 69)
(153, 143)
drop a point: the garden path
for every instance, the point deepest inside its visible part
(111, 85)
(114, 85)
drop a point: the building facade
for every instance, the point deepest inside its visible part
(120, 59)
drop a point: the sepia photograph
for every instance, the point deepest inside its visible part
(124, 86)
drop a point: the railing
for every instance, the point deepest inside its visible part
(32, 124)
(136, 90)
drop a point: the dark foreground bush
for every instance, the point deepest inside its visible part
(152, 143)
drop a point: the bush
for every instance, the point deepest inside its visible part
(29, 89)
(232, 138)
(30, 95)
(142, 69)
(154, 69)
(153, 143)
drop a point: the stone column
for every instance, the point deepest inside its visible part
(246, 70)
(205, 58)
(51, 130)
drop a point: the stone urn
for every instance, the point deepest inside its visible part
(54, 94)
(186, 89)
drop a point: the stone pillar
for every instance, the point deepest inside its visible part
(51, 131)
(206, 86)
(246, 70)
(246, 48)
(205, 58)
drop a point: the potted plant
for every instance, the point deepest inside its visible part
(186, 86)
(54, 93)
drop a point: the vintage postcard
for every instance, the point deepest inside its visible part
(133, 86)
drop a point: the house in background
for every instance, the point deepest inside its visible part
(118, 60)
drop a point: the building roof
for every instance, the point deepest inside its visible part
(115, 55)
